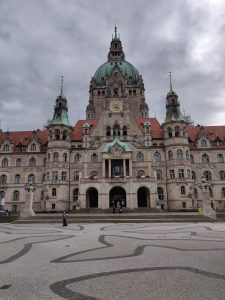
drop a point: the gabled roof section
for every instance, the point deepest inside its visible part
(109, 146)
(24, 137)
(213, 133)
(157, 132)
(77, 132)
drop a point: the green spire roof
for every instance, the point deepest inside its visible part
(123, 145)
(60, 116)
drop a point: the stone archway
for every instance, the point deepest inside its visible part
(92, 198)
(143, 197)
(117, 197)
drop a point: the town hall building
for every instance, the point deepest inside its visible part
(118, 155)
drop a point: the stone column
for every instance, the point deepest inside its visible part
(110, 168)
(28, 209)
(124, 168)
(130, 168)
(103, 168)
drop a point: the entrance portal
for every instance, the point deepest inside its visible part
(143, 197)
(92, 198)
(117, 197)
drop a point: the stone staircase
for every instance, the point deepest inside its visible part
(90, 217)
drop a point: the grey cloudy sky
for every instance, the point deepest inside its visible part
(42, 40)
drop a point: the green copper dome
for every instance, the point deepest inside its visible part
(125, 67)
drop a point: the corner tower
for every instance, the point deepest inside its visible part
(177, 149)
(58, 156)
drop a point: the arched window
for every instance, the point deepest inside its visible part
(140, 173)
(205, 158)
(222, 175)
(195, 193)
(64, 135)
(179, 154)
(55, 156)
(16, 196)
(177, 131)
(18, 162)
(5, 162)
(187, 154)
(2, 195)
(44, 162)
(6, 147)
(54, 192)
(160, 193)
(157, 156)
(75, 194)
(33, 147)
(116, 130)
(94, 158)
(158, 174)
(182, 190)
(57, 134)
(193, 176)
(31, 177)
(3, 179)
(17, 178)
(210, 192)
(124, 130)
(223, 192)
(65, 157)
(220, 158)
(140, 156)
(32, 162)
(207, 175)
(170, 154)
(191, 158)
(169, 132)
(43, 177)
(108, 131)
(77, 158)
(203, 143)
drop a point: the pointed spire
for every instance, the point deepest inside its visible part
(115, 29)
(62, 85)
(170, 82)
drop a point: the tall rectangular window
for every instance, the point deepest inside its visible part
(181, 173)
(172, 174)
(77, 176)
(55, 176)
(64, 176)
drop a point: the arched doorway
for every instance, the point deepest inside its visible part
(143, 197)
(117, 197)
(92, 198)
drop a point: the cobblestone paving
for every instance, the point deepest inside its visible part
(112, 261)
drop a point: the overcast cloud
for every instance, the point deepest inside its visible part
(42, 40)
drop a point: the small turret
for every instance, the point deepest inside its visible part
(172, 106)
(60, 116)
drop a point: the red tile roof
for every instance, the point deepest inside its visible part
(23, 137)
(77, 132)
(157, 132)
(212, 132)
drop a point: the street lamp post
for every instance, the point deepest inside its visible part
(29, 187)
(207, 209)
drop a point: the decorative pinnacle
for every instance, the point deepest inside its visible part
(61, 85)
(115, 32)
(170, 81)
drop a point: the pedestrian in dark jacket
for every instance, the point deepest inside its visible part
(64, 219)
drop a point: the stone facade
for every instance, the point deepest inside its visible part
(118, 155)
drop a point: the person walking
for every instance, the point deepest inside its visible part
(64, 219)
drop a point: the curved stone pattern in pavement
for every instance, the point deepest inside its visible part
(112, 261)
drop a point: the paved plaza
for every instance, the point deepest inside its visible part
(112, 261)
